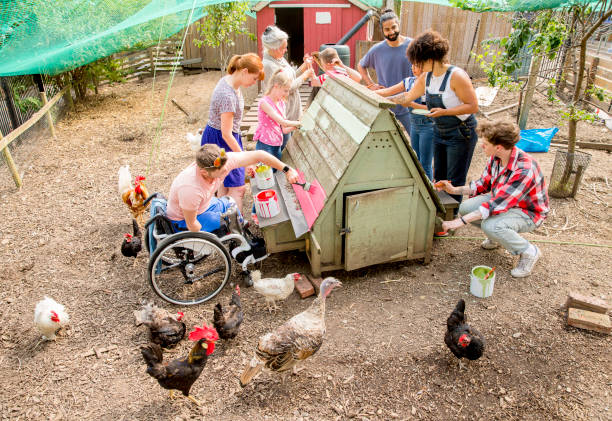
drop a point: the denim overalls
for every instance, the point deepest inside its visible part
(454, 140)
(421, 132)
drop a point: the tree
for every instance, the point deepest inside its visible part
(221, 22)
(545, 36)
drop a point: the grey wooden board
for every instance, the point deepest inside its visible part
(281, 217)
(447, 200)
(291, 205)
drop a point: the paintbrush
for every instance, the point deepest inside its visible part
(306, 186)
(489, 274)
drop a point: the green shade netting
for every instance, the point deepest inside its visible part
(507, 5)
(51, 37)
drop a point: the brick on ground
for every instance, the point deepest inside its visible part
(316, 282)
(589, 320)
(581, 301)
(303, 287)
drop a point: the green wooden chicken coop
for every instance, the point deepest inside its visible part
(378, 204)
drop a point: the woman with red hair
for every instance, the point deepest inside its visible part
(225, 116)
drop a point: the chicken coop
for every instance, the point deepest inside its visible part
(370, 200)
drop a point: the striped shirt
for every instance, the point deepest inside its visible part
(336, 71)
(519, 184)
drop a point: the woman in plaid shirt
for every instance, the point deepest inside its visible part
(509, 198)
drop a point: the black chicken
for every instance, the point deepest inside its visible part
(182, 373)
(227, 321)
(132, 244)
(166, 330)
(463, 340)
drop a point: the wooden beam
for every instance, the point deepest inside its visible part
(589, 320)
(499, 110)
(32, 120)
(586, 145)
(43, 98)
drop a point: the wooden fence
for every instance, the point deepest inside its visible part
(465, 30)
(209, 55)
(158, 58)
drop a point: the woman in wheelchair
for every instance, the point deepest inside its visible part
(192, 204)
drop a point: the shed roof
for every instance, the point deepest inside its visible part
(363, 4)
(333, 128)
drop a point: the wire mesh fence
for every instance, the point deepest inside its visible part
(20, 99)
(567, 173)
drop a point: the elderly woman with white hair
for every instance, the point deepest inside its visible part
(274, 42)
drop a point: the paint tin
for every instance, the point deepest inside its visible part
(266, 203)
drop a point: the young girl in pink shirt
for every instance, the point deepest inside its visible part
(330, 63)
(271, 115)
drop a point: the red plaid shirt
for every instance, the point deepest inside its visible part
(520, 184)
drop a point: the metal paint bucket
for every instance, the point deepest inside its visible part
(263, 177)
(479, 286)
(266, 203)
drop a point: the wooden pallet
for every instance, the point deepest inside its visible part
(249, 119)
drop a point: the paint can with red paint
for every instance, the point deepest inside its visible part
(266, 203)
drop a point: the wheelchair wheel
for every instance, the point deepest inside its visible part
(189, 268)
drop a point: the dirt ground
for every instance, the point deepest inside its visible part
(383, 357)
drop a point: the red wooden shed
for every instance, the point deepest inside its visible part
(311, 23)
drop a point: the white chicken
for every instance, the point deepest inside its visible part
(195, 140)
(49, 317)
(274, 288)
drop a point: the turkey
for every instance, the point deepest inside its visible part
(294, 341)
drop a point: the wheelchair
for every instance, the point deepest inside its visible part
(188, 268)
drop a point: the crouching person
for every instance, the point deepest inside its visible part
(192, 204)
(509, 198)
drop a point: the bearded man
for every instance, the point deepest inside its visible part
(388, 58)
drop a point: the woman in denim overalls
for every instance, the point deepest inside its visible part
(452, 102)
(421, 127)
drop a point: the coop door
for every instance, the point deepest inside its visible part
(377, 225)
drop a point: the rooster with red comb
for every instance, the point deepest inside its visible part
(182, 373)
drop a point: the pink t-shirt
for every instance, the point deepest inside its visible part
(190, 191)
(269, 131)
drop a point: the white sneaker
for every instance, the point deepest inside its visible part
(489, 244)
(525, 264)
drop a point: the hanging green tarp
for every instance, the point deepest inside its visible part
(507, 5)
(50, 37)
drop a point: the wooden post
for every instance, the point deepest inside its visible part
(591, 77)
(68, 98)
(41, 91)
(43, 97)
(151, 60)
(11, 164)
(10, 105)
(528, 99)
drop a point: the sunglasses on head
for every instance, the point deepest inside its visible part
(217, 161)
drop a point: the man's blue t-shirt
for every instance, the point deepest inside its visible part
(391, 65)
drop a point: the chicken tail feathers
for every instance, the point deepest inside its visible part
(256, 275)
(136, 229)
(251, 370)
(152, 354)
(218, 315)
(457, 316)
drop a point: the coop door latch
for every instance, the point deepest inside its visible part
(345, 231)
